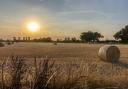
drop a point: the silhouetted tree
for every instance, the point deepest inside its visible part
(14, 38)
(58, 40)
(19, 38)
(90, 36)
(29, 38)
(122, 35)
(67, 39)
(24, 38)
(1, 40)
(73, 39)
(97, 36)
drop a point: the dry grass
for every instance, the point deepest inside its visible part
(73, 66)
(44, 74)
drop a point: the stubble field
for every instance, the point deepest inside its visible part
(82, 58)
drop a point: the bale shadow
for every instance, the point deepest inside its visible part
(122, 64)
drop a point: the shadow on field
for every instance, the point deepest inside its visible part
(122, 64)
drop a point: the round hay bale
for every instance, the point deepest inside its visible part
(109, 53)
(55, 43)
(8, 43)
(2, 44)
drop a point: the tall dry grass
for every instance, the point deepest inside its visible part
(46, 73)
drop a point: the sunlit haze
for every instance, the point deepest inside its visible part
(62, 18)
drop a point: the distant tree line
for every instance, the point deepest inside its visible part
(45, 39)
(120, 36)
(21, 39)
(68, 40)
(85, 37)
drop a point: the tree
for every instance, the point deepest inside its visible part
(122, 34)
(67, 40)
(90, 36)
(97, 36)
(73, 39)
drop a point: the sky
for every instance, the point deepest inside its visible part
(62, 18)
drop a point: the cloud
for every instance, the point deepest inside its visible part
(89, 15)
(83, 12)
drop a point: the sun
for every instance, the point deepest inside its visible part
(33, 26)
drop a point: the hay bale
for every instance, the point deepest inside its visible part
(8, 43)
(55, 43)
(2, 44)
(109, 53)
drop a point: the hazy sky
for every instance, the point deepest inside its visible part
(59, 18)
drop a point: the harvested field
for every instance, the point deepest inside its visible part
(79, 57)
(62, 50)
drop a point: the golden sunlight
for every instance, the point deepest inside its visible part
(33, 26)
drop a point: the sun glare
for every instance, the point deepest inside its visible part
(33, 26)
